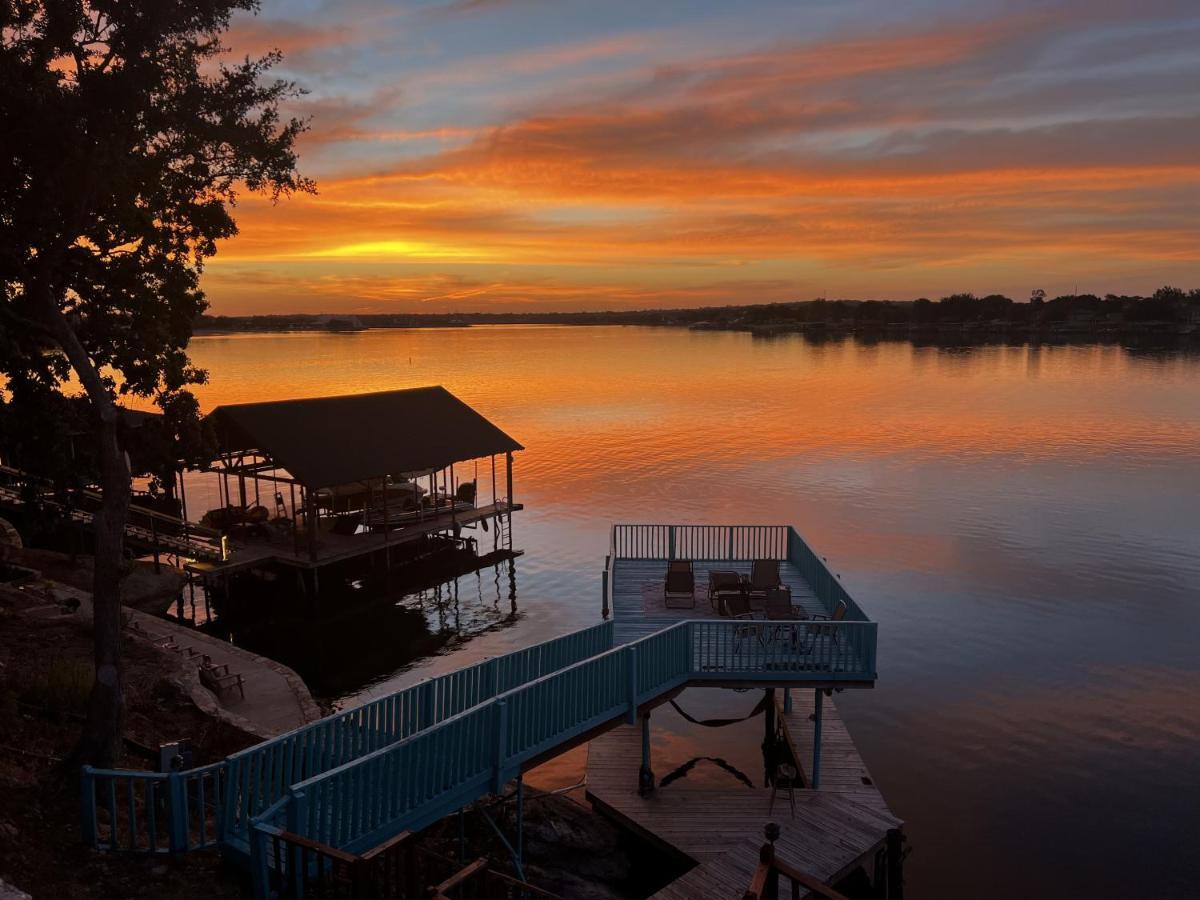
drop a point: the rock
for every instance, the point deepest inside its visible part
(8, 892)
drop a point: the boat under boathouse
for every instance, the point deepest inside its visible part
(310, 482)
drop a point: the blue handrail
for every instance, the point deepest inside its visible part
(418, 780)
(141, 811)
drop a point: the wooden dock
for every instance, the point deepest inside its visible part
(831, 834)
(252, 552)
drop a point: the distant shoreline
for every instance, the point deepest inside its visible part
(1169, 312)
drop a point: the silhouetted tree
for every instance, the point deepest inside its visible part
(124, 140)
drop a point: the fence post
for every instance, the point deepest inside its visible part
(259, 869)
(177, 833)
(631, 653)
(427, 704)
(88, 811)
(670, 542)
(604, 592)
(501, 745)
(730, 543)
(816, 765)
(297, 816)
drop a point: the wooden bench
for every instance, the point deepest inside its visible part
(218, 678)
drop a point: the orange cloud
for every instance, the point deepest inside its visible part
(799, 168)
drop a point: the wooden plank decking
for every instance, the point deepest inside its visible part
(830, 835)
(843, 771)
(638, 608)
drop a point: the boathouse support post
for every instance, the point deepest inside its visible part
(816, 764)
(787, 700)
(310, 521)
(645, 773)
(508, 465)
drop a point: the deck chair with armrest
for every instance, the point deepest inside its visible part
(679, 592)
(764, 575)
(738, 607)
(829, 630)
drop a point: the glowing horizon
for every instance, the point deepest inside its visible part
(516, 154)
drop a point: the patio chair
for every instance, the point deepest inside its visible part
(778, 608)
(721, 585)
(764, 575)
(829, 630)
(737, 606)
(679, 592)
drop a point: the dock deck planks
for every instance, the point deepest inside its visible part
(834, 829)
(634, 619)
(842, 768)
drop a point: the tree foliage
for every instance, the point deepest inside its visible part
(126, 137)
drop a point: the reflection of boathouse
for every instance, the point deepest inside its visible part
(308, 483)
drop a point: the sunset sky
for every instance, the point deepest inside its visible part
(533, 154)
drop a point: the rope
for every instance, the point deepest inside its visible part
(721, 723)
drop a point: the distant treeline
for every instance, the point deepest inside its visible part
(1167, 311)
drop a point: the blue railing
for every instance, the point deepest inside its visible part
(154, 812)
(420, 779)
(733, 543)
(405, 760)
(730, 542)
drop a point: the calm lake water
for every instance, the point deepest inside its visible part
(1023, 522)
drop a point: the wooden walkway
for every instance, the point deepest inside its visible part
(834, 830)
(638, 607)
(276, 699)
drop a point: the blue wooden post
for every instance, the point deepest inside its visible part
(670, 542)
(787, 700)
(604, 593)
(631, 653)
(816, 770)
(259, 874)
(427, 708)
(88, 809)
(501, 745)
(177, 826)
(297, 816)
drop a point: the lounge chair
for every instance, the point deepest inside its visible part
(723, 584)
(764, 575)
(679, 592)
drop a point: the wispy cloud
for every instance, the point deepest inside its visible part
(963, 153)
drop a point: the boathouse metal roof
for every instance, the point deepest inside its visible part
(327, 441)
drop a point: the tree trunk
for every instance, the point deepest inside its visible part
(101, 742)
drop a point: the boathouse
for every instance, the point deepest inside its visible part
(314, 481)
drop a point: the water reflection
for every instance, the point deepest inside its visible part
(1020, 519)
